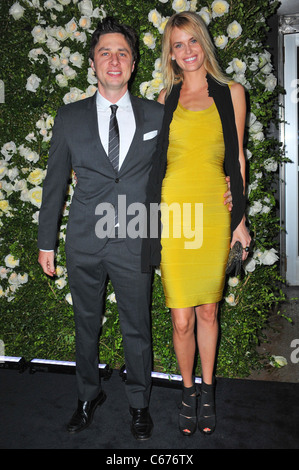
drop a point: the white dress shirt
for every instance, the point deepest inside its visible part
(126, 123)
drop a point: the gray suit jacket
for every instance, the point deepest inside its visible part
(76, 145)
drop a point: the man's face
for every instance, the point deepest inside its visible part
(113, 64)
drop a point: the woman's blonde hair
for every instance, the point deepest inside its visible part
(194, 25)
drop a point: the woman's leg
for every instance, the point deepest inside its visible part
(207, 337)
(183, 320)
(184, 344)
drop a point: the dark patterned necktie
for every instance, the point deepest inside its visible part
(113, 147)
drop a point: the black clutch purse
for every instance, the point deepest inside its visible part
(234, 262)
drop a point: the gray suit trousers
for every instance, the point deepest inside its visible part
(87, 275)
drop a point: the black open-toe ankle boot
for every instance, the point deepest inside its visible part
(188, 411)
(207, 414)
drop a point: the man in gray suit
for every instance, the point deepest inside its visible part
(81, 142)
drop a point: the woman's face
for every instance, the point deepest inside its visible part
(186, 51)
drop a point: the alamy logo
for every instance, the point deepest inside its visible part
(134, 221)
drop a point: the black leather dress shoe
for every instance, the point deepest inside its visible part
(141, 425)
(83, 416)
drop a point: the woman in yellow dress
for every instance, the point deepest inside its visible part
(202, 139)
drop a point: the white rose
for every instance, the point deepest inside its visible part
(259, 136)
(39, 34)
(180, 5)
(255, 208)
(69, 299)
(230, 299)
(20, 185)
(90, 91)
(278, 361)
(33, 83)
(69, 72)
(23, 278)
(256, 127)
(71, 27)
(54, 62)
(49, 122)
(163, 24)
(61, 33)
(233, 281)
(60, 283)
(85, 22)
(205, 14)
(65, 52)
(61, 80)
(76, 59)
(91, 78)
(8, 150)
(221, 41)
(11, 262)
(85, 7)
(3, 168)
(99, 12)
(53, 44)
(266, 209)
(155, 18)
(270, 164)
(60, 271)
(73, 95)
(28, 154)
(219, 8)
(270, 82)
(36, 176)
(236, 65)
(4, 272)
(269, 257)
(49, 4)
(143, 87)
(17, 11)
(13, 279)
(13, 173)
(250, 265)
(254, 62)
(35, 196)
(4, 206)
(264, 58)
(35, 53)
(241, 78)
(80, 36)
(234, 29)
(112, 298)
(149, 40)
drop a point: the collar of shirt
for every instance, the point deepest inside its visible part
(103, 104)
(125, 119)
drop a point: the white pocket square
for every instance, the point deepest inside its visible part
(150, 135)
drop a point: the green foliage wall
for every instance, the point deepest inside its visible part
(44, 50)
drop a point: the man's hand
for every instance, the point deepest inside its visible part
(228, 195)
(46, 260)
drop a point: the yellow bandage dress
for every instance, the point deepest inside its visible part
(195, 221)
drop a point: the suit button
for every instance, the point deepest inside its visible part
(116, 180)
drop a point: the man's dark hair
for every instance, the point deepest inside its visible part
(110, 25)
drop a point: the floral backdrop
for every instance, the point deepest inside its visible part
(45, 65)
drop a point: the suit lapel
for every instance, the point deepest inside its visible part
(91, 120)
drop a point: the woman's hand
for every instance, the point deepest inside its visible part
(241, 234)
